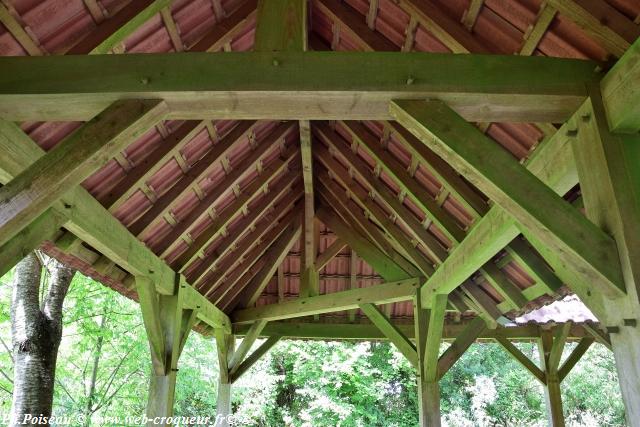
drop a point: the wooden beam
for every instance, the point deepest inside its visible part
(428, 391)
(417, 193)
(470, 15)
(374, 210)
(339, 301)
(281, 26)
(272, 259)
(500, 282)
(330, 252)
(350, 21)
(19, 33)
(227, 27)
(199, 170)
(574, 357)
(150, 307)
(620, 94)
(245, 346)
(442, 171)
(434, 337)
(610, 182)
(380, 262)
(534, 265)
(35, 189)
(535, 32)
(147, 167)
(253, 358)
(592, 255)
(364, 225)
(228, 251)
(429, 241)
(172, 29)
(294, 85)
(559, 340)
(226, 290)
(113, 31)
(367, 331)
(204, 238)
(372, 14)
(88, 220)
(593, 17)
(462, 342)
(449, 31)
(552, 393)
(389, 330)
(522, 359)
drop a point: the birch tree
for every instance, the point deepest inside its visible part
(36, 331)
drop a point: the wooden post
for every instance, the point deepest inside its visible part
(610, 183)
(428, 328)
(226, 346)
(550, 349)
(168, 326)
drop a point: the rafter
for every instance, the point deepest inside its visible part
(393, 230)
(272, 259)
(226, 253)
(87, 219)
(358, 219)
(593, 17)
(516, 190)
(330, 252)
(19, 33)
(430, 243)
(226, 28)
(113, 31)
(251, 258)
(339, 301)
(220, 222)
(35, 189)
(196, 173)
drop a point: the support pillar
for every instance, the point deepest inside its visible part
(428, 331)
(168, 326)
(607, 164)
(226, 345)
(625, 344)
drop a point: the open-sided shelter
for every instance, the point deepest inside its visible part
(410, 170)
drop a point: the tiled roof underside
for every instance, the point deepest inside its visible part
(177, 185)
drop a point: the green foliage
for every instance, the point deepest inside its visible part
(301, 383)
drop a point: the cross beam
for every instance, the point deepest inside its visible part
(294, 85)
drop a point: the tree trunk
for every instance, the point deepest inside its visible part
(94, 371)
(36, 337)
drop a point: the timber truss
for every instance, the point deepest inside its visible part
(372, 153)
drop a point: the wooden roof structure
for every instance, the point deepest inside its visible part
(343, 162)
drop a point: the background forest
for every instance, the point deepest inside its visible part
(103, 369)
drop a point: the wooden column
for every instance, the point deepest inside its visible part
(226, 346)
(550, 349)
(168, 326)
(607, 164)
(428, 329)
